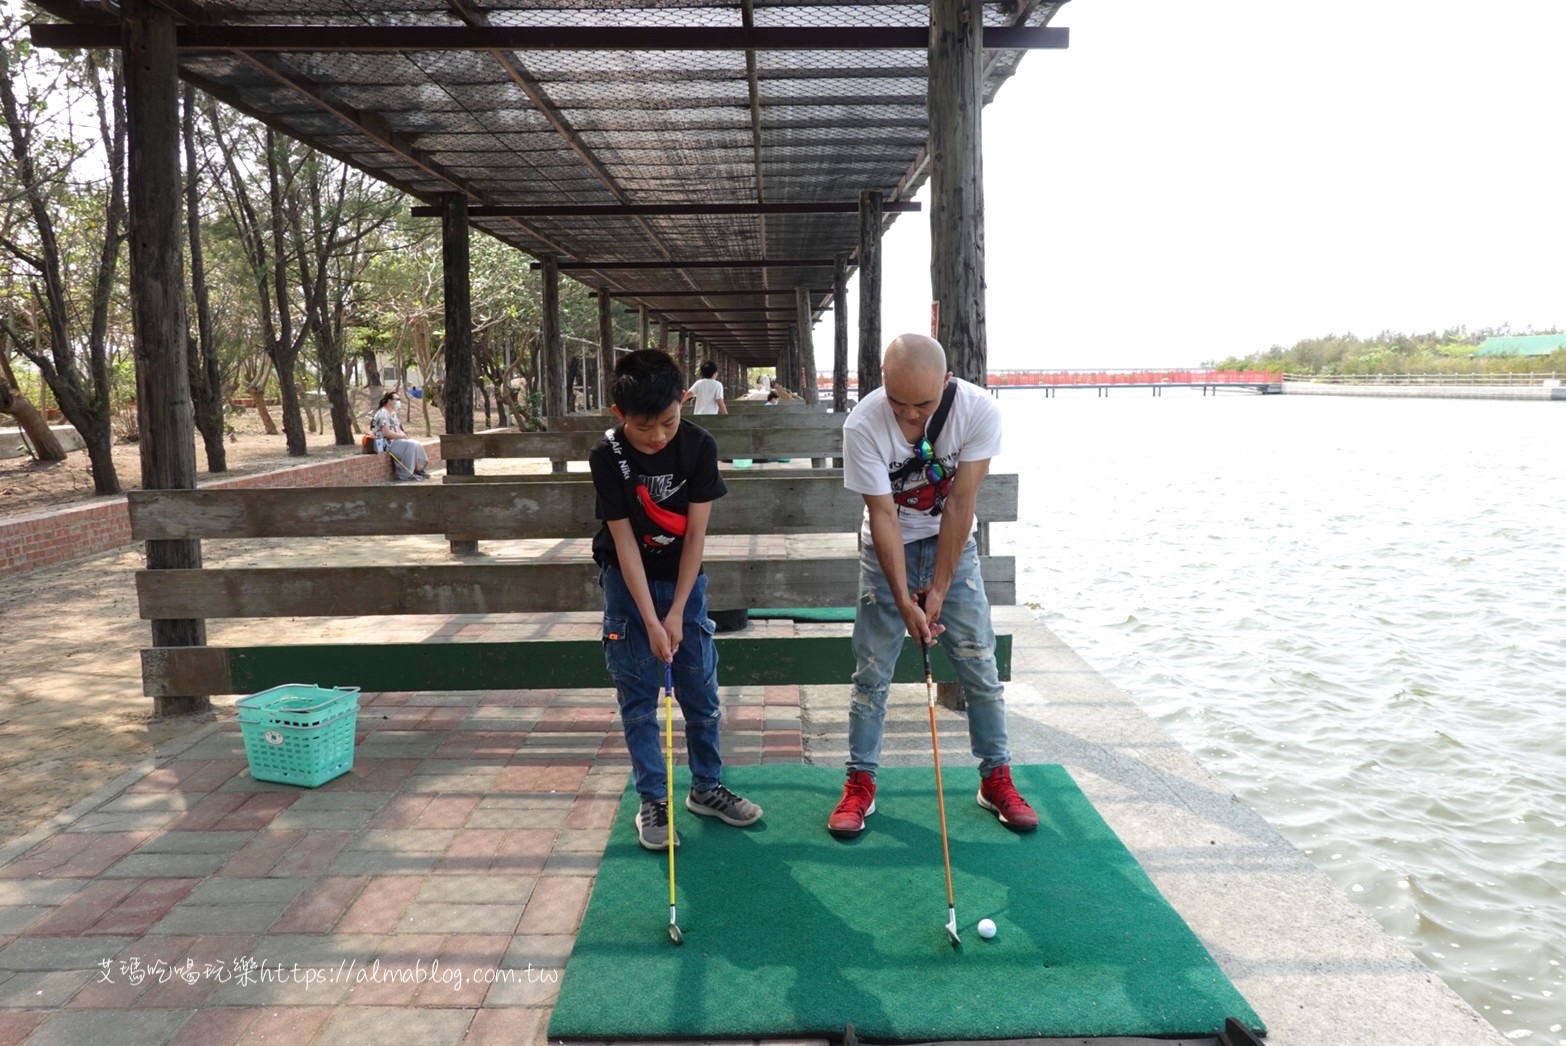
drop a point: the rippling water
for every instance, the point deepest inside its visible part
(1354, 611)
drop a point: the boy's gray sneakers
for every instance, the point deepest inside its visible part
(652, 825)
(723, 804)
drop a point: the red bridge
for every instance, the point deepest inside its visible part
(1264, 382)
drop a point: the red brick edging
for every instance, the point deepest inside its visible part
(44, 539)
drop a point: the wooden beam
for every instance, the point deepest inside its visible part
(495, 511)
(869, 293)
(669, 210)
(695, 263)
(455, 268)
(840, 333)
(548, 587)
(605, 346)
(558, 664)
(807, 345)
(727, 293)
(416, 38)
(956, 90)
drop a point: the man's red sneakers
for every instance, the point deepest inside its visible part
(998, 795)
(858, 802)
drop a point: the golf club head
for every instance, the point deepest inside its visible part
(951, 930)
(675, 935)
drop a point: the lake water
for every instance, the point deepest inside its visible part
(1354, 612)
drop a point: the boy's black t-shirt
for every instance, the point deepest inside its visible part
(684, 471)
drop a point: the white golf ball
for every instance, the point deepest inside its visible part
(986, 928)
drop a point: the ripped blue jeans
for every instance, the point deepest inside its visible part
(638, 682)
(969, 640)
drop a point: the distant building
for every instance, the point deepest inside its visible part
(1522, 345)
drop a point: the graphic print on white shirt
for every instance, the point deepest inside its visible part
(874, 450)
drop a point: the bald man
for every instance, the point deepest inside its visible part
(919, 564)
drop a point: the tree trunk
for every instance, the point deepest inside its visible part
(45, 444)
(372, 369)
(206, 383)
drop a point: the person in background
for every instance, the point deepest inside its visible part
(708, 392)
(409, 459)
(772, 398)
(917, 449)
(656, 478)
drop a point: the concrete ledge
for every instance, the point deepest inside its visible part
(1445, 392)
(42, 539)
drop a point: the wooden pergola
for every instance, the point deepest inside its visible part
(721, 167)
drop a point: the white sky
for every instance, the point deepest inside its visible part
(1194, 180)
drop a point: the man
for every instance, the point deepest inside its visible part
(708, 392)
(919, 564)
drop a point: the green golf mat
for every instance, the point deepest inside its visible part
(801, 614)
(792, 933)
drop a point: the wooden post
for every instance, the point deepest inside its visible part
(557, 395)
(605, 347)
(457, 407)
(157, 293)
(692, 357)
(869, 292)
(840, 334)
(956, 95)
(663, 335)
(807, 346)
(642, 320)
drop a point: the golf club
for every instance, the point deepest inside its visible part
(940, 797)
(668, 762)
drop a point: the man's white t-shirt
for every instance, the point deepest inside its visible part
(707, 392)
(874, 450)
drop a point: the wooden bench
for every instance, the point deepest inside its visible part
(562, 507)
(816, 436)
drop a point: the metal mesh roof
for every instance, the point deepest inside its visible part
(606, 127)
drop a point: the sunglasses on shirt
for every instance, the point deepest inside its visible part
(934, 471)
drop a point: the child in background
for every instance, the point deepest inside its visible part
(655, 479)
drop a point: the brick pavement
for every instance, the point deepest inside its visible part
(192, 904)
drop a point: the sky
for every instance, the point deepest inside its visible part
(1191, 181)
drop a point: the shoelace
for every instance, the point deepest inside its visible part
(1004, 794)
(719, 798)
(858, 794)
(660, 814)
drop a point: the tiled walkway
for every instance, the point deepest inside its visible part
(431, 895)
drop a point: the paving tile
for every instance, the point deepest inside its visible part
(121, 1027)
(122, 982)
(474, 960)
(251, 891)
(378, 908)
(75, 855)
(376, 1026)
(16, 1025)
(164, 865)
(190, 775)
(341, 819)
(37, 891)
(297, 1024)
(555, 906)
(382, 862)
(257, 812)
(460, 918)
(335, 951)
(593, 811)
(15, 919)
(569, 863)
(319, 908)
(335, 800)
(394, 975)
(287, 985)
(535, 964)
(475, 889)
(404, 840)
(49, 989)
(506, 1027)
(208, 810)
(200, 971)
(313, 854)
(140, 910)
(198, 842)
(213, 1027)
(60, 953)
(259, 855)
(581, 840)
(465, 776)
(220, 918)
(123, 821)
(479, 850)
(515, 811)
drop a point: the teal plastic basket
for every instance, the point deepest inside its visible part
(299, 734)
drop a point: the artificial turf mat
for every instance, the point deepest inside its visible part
(790, 932)
(802, 614)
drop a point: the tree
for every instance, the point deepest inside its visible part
(44, 443)
(63, 335)
(206, 383)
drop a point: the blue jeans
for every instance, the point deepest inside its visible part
(638, 681)
(969, 640)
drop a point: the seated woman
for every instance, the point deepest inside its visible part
(409, 461)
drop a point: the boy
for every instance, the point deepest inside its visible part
(656, 479)
(708, 392)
